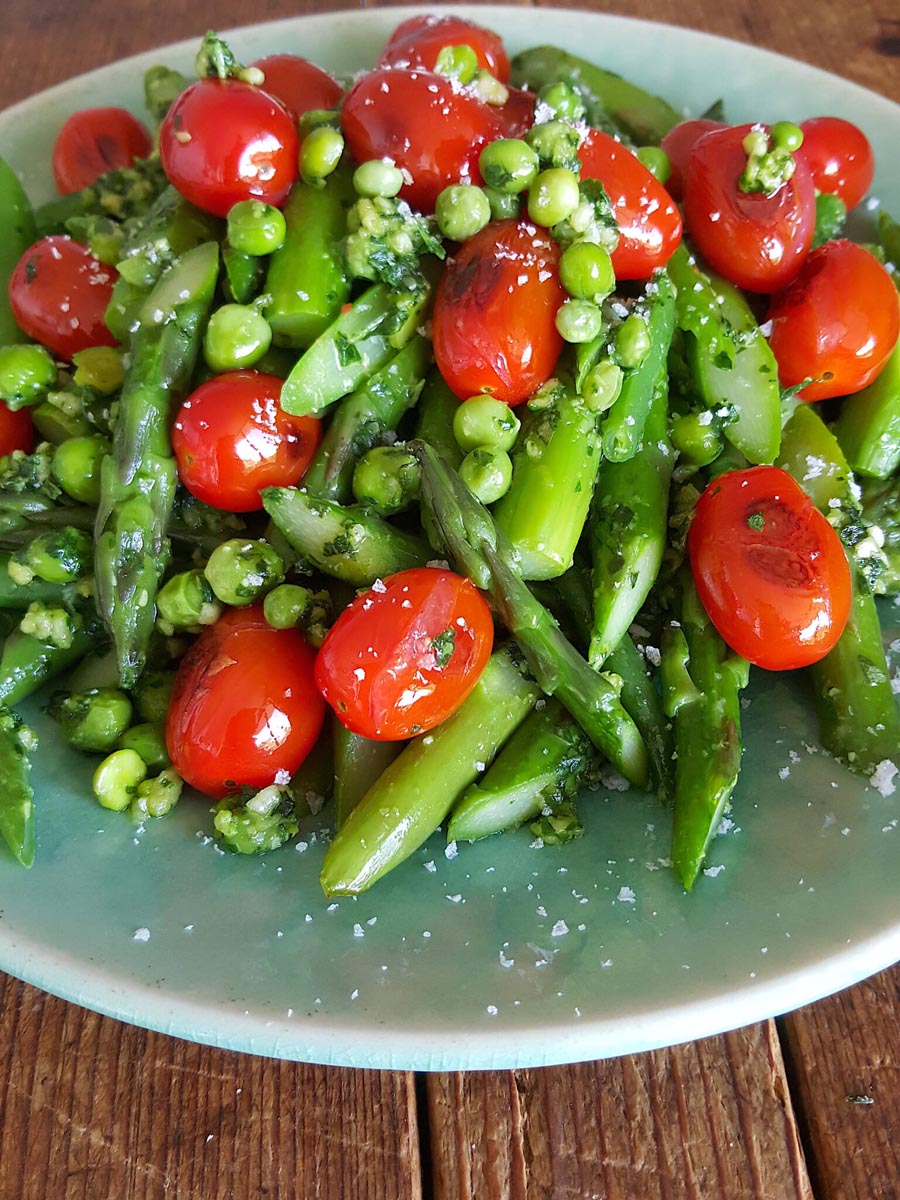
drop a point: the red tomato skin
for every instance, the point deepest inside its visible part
(422, 125)
(839, 318)
(16, 430)
(780, 596)
(298, 84)
(377, 667)
(417, 42)
(93, 141)
(59, 294)
(839, 157)
(493, 325)
(231, 438)
(757, 242)
(245, 708)
(223, 141)
(648, 219)
(517, 115)
(678, 144)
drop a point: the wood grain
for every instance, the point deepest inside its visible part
(711, 1119)
(91, 1109)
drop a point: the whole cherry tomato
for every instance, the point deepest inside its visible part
(424, 124)
(93, 141)
(16, 430)
(495, 310)
(417, 42)
(59, 293)
(516, 116)
(758, 242)
(770, 570)
(678, 144)
(223, 141)
(231, 438)
(648, 219)
(298, 83)
(839, 157)
(837, 323)
(245, 710)
(403, 656)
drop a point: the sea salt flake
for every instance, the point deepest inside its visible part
(560, 929)
(141, 935)
(626, 895)
(882, 778)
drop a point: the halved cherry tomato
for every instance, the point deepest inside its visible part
(770, 570)
(59, 293)
(839, 157)
(298, 83)
(94, 141)
(223, 141)
(16, 430)
(648, 219)
(424, 124)
(417, 42)
(678, 144)
(232, 438)
(837, 323)
(494, 316)
(758, 242)
(403, 656)
(245, 709)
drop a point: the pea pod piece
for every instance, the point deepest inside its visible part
(868, 428)
(17, 233)
(16, 796)
(358, 763)
(28, 662)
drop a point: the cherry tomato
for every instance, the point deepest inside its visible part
(648, 219)
(417, 42)
(232, 438)
(16, 430)
(403, 656)
(770, 570)
(839, 157)
(516, 116)
(223, 141)
(758, 242)
(837, 323)
(494, 313)
(678, 144)
(424, 124)
(245, 710)
(94, 141)
(298, 84)
(59, 293)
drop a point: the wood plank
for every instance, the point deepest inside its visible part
(843, 1057)
(93, 1108)
(709, 1119)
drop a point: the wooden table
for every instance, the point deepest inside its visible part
(806, 1106)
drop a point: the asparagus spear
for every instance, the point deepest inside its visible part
(435, 410)
(17, 233)
(138, 478)
(358, 763)
(16, 795)
(469, 535)
(555, 464)
(868, 428)
(413, 796)
(702, 680)
(547, 755)
(27, 662)
(881, 508)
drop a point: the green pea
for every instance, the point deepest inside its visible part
(484, 421)
(320, 153)
(564, 100)
(457, 62)
(92, 720)
(186, 601)
(99, 367)
(656, 161)
(236, 336)
(579, 321)
(553, 196)
(787, 136)
(156, 797)
(377, 178)
(76, 467)
(504, 205)
(386, 479)
(509, 165)
(153, 695)
(26, 375)
(241, 570)
(116, 780)
(696, 439)
(149, 741)
(461, 210)
(487, 473)
(255, 228)
(602, 385)
(60, 556)
(586, 271)
(556, 144)
(632, 341)
(286, 605)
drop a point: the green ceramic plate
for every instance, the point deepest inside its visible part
(503, 955)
